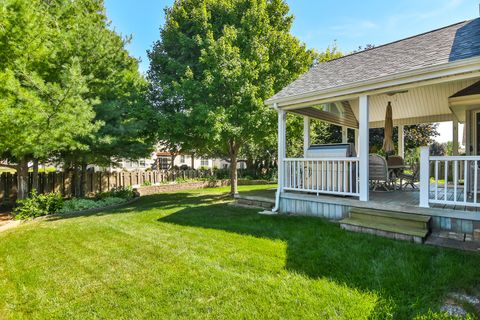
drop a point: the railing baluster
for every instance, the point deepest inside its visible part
(323, 175)
(311, 176)
(436, 180)
(466, 180)
(445, 181)
(350, 176)
(339, 177)
(329, 174)
(475, 181)
(295, 173)
(455, 178)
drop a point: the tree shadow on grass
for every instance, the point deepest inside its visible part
(165, 201)
(410, 278)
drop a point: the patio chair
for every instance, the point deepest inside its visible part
(378, 171)
(410, 178)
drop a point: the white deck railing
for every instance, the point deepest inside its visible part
(452, 180)
(337, 176)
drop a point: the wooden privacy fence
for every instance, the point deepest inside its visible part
(95, 181)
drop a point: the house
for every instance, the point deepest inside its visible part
(427, 78)
(164, 159)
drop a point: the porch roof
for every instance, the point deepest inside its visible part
(441, 47)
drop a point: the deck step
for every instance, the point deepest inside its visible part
(391, 217)
(390, 224)
(384, 230)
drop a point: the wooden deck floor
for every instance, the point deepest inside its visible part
(412, 197)
(408, 198)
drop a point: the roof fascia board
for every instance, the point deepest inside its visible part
(465, 100)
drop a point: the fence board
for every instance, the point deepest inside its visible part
(63, 182)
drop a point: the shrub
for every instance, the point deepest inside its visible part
(38, 205)
(147, 183)
(118, 192)
(78, 204)
(110, 201)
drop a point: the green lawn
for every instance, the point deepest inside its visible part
(189, 255)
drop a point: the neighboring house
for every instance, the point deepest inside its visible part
(430, 77)
(163, 161)
(185, 160)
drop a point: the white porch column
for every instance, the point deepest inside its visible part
(344, 134)
(401, 142)
(306, 135)
(363, 147)
(424, 176)
(282, 137)
(455, 136)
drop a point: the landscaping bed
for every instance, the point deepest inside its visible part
(39, 205)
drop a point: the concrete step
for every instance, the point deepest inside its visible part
(250, 203)
(391, 217)
(399, 232)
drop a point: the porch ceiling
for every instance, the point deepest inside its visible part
(347, 119)
(423, 104)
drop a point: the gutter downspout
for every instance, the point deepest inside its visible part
(280, 166)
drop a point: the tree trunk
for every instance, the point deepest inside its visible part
(35, 175)
(172, 161)
(22, 179)
(83, 180)
(193, 161)
(233, 148)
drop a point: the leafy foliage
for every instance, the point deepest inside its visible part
(118, 192)
(43, 103)
(69, 90)
(215, 64)
(415, 136)
(38, 205)
(79, 204)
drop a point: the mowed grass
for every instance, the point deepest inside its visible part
(190, 255)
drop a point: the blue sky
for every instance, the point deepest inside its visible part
(318, 23)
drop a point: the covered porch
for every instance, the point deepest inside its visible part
(448, 186)
(428, 78)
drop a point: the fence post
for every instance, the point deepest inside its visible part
(424, 176)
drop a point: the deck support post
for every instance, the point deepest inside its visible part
(401, 141)
(363, 148)
(424, 176)
(455, 137)
(306, 135)
(344, 135)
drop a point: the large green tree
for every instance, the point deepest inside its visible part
(43, 105)
(71, 92)
(215, 64)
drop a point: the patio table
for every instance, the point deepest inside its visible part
(393, 171)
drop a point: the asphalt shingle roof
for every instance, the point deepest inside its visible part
(448, 44)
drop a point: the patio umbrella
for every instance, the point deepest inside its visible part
(388, 146)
